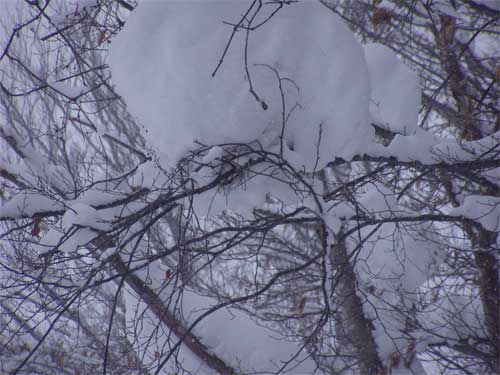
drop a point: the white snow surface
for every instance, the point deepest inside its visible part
(28, 203)
(251, 191)
(229, 333)
(395, 90)
(244, 343)
(484, 209)
(426, 148)
(83, 215)
(452, 313)
(140, 335)
(68, 243)
(162, 64)
(392, 268)
(68, 90)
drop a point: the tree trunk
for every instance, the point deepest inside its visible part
(353, 329)
(488, 283)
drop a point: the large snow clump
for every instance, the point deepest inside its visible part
(395, 90)
(163, 60)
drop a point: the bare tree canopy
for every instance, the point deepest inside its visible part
(249, 187)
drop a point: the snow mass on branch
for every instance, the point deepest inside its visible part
(162, 64)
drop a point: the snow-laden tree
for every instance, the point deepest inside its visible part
(242, 187)
(454, 47)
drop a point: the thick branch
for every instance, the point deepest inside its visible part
(352, 327)
(166, 317)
